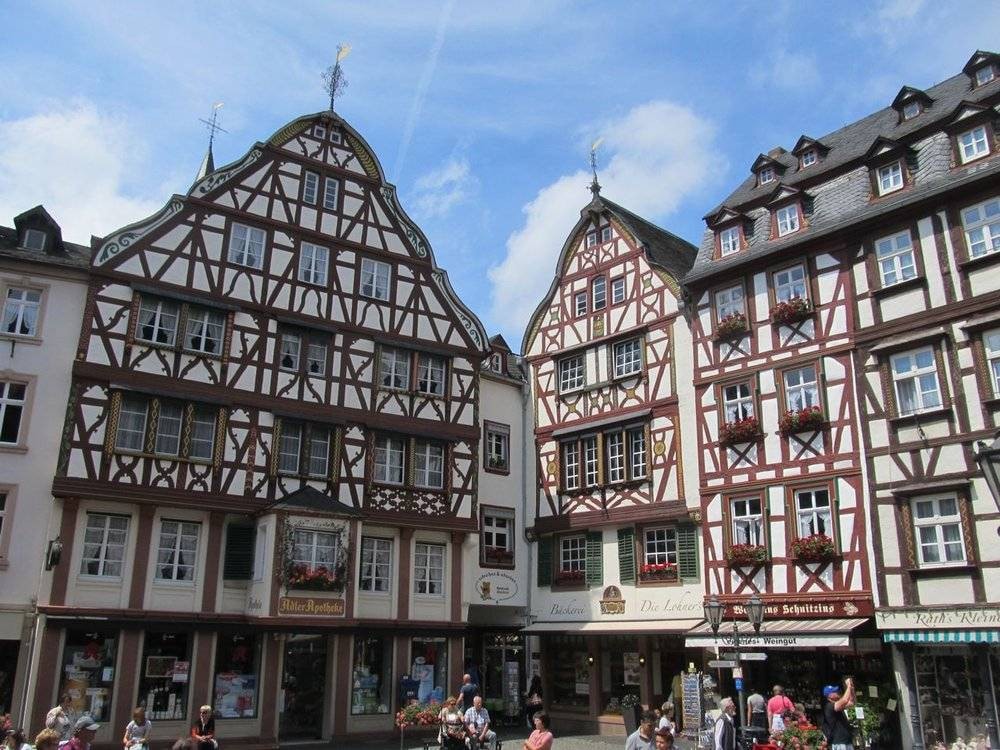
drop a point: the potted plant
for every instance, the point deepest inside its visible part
(814, 548)
(747, 554)
(496, 462)
(744, 430)
(801, 420)
(498, 555)
(320, 578)
(791, 311)
(800, 738)
(731, 325)
(630, 707)
(420, 715)
(658, 572)
(569, 576)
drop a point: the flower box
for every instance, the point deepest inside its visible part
(801, 420)
(418, 715)
(497, 463)
(741, 431)
(791, 311)
(658, 572)
(747, 554)
(498, 555)
(814, 548)
(570, 576)
(320, 578)
(732, 325)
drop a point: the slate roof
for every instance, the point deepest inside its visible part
(309, 498)
(664, 248)
(58, 251)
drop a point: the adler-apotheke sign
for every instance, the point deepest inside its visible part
(310, 607)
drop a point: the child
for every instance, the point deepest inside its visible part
(137, 731)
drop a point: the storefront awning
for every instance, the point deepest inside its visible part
(941, 636)
(648, 627)
(831, 633)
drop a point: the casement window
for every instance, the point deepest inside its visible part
(571, 373)
(168, 429)
(157, 321)
(809, 158)
(591, 239)
(315, 549)
(319, 132)
(428, 464)
(605, 234)
(748, 521)
(430, 374)
(729, 302)
(984, 75)
(131, 435)
(304, 449)
(813, 512)
(104, 545)
(599, 292)
(895, 257)
(571, 466)
(316, 353)
(12, 398)
(389, 453)
(915, 380)
(637, 452)
(177, 552)
(628, 357)
(889, 178)
(204, 330)
(765, 176)
(375, 279)
(310, 187)
(911, 109)
(428, 569)
(246, 246)
(991, 342)
(982, 228)
(614, 456)
(394, 368)
(497, 447)
(313, 263)
(801, 391)
(34, 239)
(787, 219)
(580, 304)
(496, 362)
(20, 311)
(331, 187)
(290, 352)
(659, 546)
(625, 454)
(170, 422)
(291, 346)
(937, 526)
(729, 241)
(335, 135)
(737, 402)
(376, 565)
(590, 463)
(973, 144)
(790, 283)
(573, 553)
(496, 539)
(617, 290)
(202, 445)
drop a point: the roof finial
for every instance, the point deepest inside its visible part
(595, 186)
(334, 75)
(208, 163)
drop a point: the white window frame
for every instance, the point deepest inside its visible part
(169, 428)
(889, 178)
(747, 521)
(973, 144)
(335, 136)
(331, 190)
(911, 109)
(801, 387)
(991, 343)
(809, 157)
(571, 465)
(390, 460)
(497, 447)
(605, 234)
(290, 447)
(30, 235)
(376, 565)
(915, 376)
(314, 263)
(101, 524)
(729, 241)
(617, 290)
(937, 523)
(573, 553)
(492, 529)
(431, 370)
(205, 331)
(728, 301)
(984, 75)
(319, 132)
(737, 402)
(790, 283)
(203, 421)
(614, 454)
(659, 546)
(247, 246)
(310, 187)
(129, 407)
(7, 401)
(765, 175)
(318, 459)
(175, 569)
(394, 367)
(428, 464)
(21, 309)
(787, 219)
(315, 548)
(428, 569)
(580, 300)
(591, 240)
(376, 278)
(163, 316)
(813, 510)
(628, 358)
(599, 293)
(981, 224)
(591, 464)
(572, 373)
(289, 347)
(896, 258)
(636, 452)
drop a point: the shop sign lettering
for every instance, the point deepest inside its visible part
(573, 608)
(923, 618)
(496, 587)
(687, 604)
(298, 605)
(805, 609)
(254, 605)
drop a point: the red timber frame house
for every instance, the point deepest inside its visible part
(617, 576)
(270, 456)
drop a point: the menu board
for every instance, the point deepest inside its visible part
(692, 704)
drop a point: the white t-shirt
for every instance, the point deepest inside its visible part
(138, 733)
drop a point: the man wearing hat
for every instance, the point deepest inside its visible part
(835, 726)
(84, 732)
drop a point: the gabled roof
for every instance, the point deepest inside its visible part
(783, 192)
(979, 59)
(965, 110)
(498, 342)
(58, 252)
(722, 215)
(309, 498)
(804, 143)
(907, 93)
(884, 146)
(765, 160)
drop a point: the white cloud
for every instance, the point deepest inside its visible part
(75, 162)
(786, 70)
(660, 153)
(439, 191)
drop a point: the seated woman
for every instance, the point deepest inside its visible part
(452, 732)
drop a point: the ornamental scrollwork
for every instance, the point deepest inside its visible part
(125, 238)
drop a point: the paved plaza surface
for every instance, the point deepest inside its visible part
(511, 741)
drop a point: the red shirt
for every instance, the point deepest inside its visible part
(541, 739)
(779, 704)
(76, 744)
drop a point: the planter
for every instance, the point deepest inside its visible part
(497, 464)
(741, 431)
(652, 573)
(570, 577)
(791, 311)
(741, 555)
(731, 326)
(814, 548)
(801, 420)
(498, 556)
(303, 578)
(630, 715)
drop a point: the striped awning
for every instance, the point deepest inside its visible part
(828, 633)
(941, 636)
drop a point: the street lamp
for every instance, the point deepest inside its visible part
(988, 458)
(714, 612)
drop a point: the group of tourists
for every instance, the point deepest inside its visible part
(465, 722)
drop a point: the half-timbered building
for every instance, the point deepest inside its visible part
(616, 567)
(266, 491)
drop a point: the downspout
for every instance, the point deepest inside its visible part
(527, 459)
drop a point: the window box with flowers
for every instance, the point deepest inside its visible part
(791, 311)
(315, 557)
(801, 420)
(656, 572)
(744, 430)
(498, 555)
(747, 554)
(569, 577)
(320, 578)
(814, 548)
(731, 325)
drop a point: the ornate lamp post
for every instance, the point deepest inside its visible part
(714, 613)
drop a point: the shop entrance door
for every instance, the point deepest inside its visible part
(503, 674)
(303, 684)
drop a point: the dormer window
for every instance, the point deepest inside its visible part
(729, 241)
(787, 219)
(765, 175)
(890, 178)
(34, 239)
(911, 109)
(972, 144)
(606, 234)
(809, 157)
(985, 74)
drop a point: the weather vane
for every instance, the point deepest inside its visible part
(595, 186)
(213, 124)
(334, 75)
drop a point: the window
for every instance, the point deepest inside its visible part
(316, 358)
(12, 397)
(292, 438)
(157, 321)
(571, 466)
(580, 303)
(204, 331)
(375, 277)
(637, 452)
(614, 450)
(389, 460)
(20, 311)
(319, 452)
(800, 388)
(168, 429)
(498, 531)
(177, 429)
(938, 528)
(991, 341)
(605, 234)
(591, 239)
(790, 283)
(315, 549)
(429, 660)
(911, 109)
(237, 675)
(394, 368)
(729, 241)
(737, 402)
(131, 424)
(376, 564)
(289, 445)
(729, 302)
(335, 136)
(371, 677)
(202, 434)
(628, 357)
(788, 219)
(291, 346)
(319, 132)
(973, 143)
(571, 373)
(896, 261)
(4, 520)
(428, 465)
(177, 551)
(914, 376)
(809, 157)
(88, 666)
(765, 176)
(617, 290)
(313, 264)
(34, 239)
(159, 693)
(428, 569)
(430, 374)
(589, 460)
(104, 545)
(600, 292)
(812, 512)
(497, 447)
(660, 546)
(573, 553)
(310, 187)
(984, 75)
(246, 246)
(331, 186)
(238, 555)
(890, 178)
(982, 228)
(748, 523)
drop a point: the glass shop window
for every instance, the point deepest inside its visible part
(237, 671)
(429, 667)
(372, 676)
(88, 675)
(166, 669)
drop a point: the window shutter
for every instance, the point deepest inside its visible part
(626, 555)
(238, 563)
(687, 552)
(545, 561)
(595, 558)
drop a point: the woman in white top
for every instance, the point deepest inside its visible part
(667, 718)
(60, 719)
(137, 731)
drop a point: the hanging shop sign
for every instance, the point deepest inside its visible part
(310, 606)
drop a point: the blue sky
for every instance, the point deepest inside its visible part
(482, 113)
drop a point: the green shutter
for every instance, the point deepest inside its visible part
(238, 565)
(687, 552)
(545, 561)
(595, 558)
(626, 555)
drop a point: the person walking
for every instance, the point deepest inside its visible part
(757, 711)
(60, 718)
(533, 702)
(477, 724)
(137, 731)
(541, 738)
(777, 707)
(667, 718)
(835, 725)
(643, 738)
(725, 730)
(467, 692)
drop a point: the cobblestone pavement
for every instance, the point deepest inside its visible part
(511, 741)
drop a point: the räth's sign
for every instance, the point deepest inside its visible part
(310, 607)
(805, 609)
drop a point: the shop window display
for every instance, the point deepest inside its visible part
(570, 672)
(237, 669)
(951, 694)
(429, 667)
(371, 677)
(89, 671)
(166, 668)
(619, 671)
